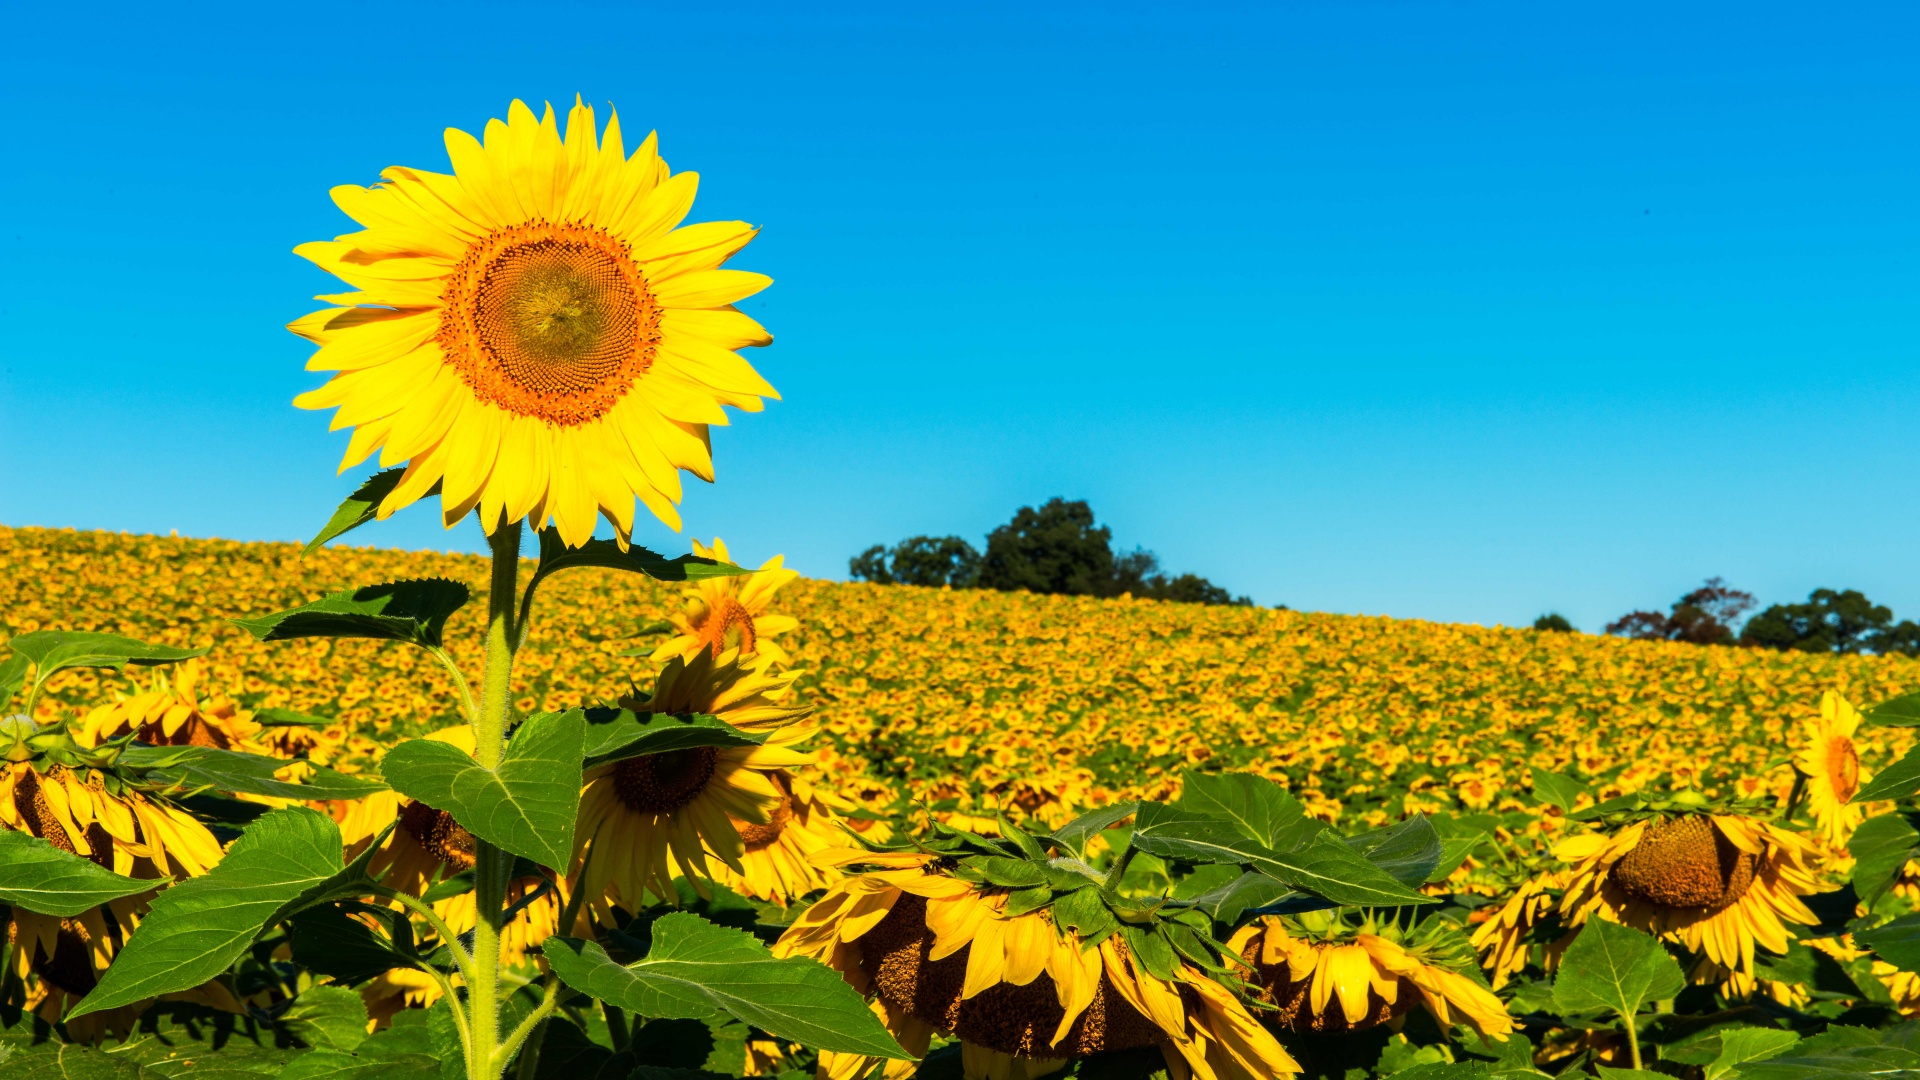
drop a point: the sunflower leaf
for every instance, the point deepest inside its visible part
(1896, 781)
(1880, 847)
(202, 767)
(556, 556)
(1898, 942)
(44, 879)
(1008, 873)
(1024, 900)
(612, 734)
(198, 928)
(1151, 950)
(1075, 834)
(1558, 789)
(1260, 808)
(55, 650)
(1084, 911)
(328, 1018)
(360, 507)
(1616, 969)
(527, 806)
(67, 1061)
(1325, 867)
(411, 611)
(1409, 851)
(696, 970)
(1903, 711)
(328, 942)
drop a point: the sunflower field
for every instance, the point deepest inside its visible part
(322, 812)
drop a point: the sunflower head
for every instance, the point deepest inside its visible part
(534, 333)
(732, 613)
(174, 710)
(1830, 763)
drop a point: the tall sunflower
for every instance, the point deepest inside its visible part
(724, 613)
(534, 332)
(937, 953)
(1831, 765)
(1346, 978)
(173, 711)
(646, 815)
(1718, 883)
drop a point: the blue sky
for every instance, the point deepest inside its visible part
(1457, 311)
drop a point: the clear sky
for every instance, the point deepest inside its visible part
(1460, 311)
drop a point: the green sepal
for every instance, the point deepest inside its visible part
(1007, 873)
(1191, 945)
(411, 611)
(1150, 950)
(1084, 911)
(556, 556)
(1025, 900)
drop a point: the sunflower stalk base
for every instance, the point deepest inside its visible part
(493, 868)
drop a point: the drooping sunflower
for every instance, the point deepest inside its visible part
(936, 953)
(1347, 978)
(94, 814)
(1831, 765)
(777, 858)
(1720, 884)
(643, 816)
(731, 612)
(174, 712)
(1505, 939)
(534, 332)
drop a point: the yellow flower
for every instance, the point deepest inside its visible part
(172, 713)
(1372, 980)
(121, 829)
(533, 332)
(1502, 938)
(1831, 765)
(776, 859)
(1719, 884)
(938, 954)
(731, 612)
(642, 816)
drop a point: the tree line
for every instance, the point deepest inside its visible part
(1055, 549)
(1831, 620)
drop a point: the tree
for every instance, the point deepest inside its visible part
(1553, 621)
(1833, 621)
(1704, 616)
(1055, 549)
(1191, 589)
(919, 560)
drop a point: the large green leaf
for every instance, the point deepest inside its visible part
(328, 1018)
(1739, 1046)
(1326, 867)
(42, 878)
(1556, 789)
(612, 734)
(527, 807)
(1408, 851)
(1880, 847)
(1257, 806)
(1896, 781)
(1614, 968)
(199, 768)
(412, 611)
(1897, 942)
(64, 1061)
(1838, 1063)
(556, 556)
(360, 507)
(184, 1041)
(1074, 834)
(334, 1065)
(1903, 711)
(53, 650)
(328, 942)
(696, 970)
(13, 675)
(198, 928)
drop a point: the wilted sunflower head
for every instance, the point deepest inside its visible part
(533, 333)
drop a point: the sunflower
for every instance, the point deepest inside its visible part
(1717, 883)
(936, 953)
(534, 333)
(1504, 939)
(172, 713)
(1374, 974)
(95, 815)
(777, 858)
(396, 990)
(731, 612)
(1831, 765)
(644, 815)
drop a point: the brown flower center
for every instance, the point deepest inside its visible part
(663, 783)
(729, 626)
(195, 732)
(1017, 1020)
(1843, 768)
(1685, 863)
(440, 835)
(42, 822)
(549, 321)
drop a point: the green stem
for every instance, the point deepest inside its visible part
(492, 867)
(528, 1028)
(425, 910)
(616, 1026)
(468, 707)
(1119, 869)
(1633, 1042)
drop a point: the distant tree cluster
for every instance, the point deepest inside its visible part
(1055, 549)
(1843, 621)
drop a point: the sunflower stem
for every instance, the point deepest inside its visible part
(492, 866)
(1633, 1042)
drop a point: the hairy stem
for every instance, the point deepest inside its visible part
(492, 867)
(425, 910)
(469, 708)
(1633, 1042)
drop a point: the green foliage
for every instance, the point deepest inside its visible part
(1880, 847)
(1843, 621)
(612, 734)
(1558, 789)
(411, 611)
(57, 650)
(67, 1061)
(1055, 549)
(1553, 622)
(1705, 616)
(199, 768)
(40, 877)
(526, 807)
(1615, 969)
(698, 971)
(198, 928)
(1896, 781)
(328, 1018)
(1326, 867)
(360, 507)
(919, 560)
